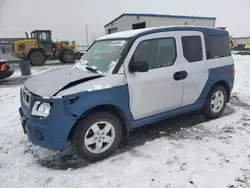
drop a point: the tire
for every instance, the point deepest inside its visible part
(86, 143)
(61, 55)
(60, 59)
(215, 103)
(79, 55)
(68, 56)
(37, 58)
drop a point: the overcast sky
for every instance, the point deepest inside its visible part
(68, 18)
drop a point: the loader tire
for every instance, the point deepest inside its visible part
(37, 58)
(68, 56)
(78, 55)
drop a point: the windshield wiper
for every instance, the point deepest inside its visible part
(91, 69)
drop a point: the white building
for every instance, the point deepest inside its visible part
(6, 48)
(137, 21)
(241, 40)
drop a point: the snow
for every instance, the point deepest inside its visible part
(186, 151)
(2, 60)
(81, 64)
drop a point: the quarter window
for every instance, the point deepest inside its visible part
(217, 46)
(192, 48)
(156, 52)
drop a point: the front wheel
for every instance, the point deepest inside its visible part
(97, 136)
(215, 103)
(68, 56)
(37, 58)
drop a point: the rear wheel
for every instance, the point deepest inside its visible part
(216, 102)
(68, 56)
(97, 136)
(37, 58)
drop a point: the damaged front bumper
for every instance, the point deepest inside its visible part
(51, 132)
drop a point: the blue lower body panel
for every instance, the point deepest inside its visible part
(53, 132)
(42, 134)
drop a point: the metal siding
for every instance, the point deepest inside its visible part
(7, 56)
(160, 16)
(155, 22)
(125, 23)
(242, 40)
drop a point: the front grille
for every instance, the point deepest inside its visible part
(26, 97)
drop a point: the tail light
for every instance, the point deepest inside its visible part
(4, 67)
(233, 70)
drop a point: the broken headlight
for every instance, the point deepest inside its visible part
(41, 109)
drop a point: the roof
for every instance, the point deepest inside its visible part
(5, 43)
(9, 40)
(141, 32)
(160, 15)
(124, 34)
(41, 31)
(241, 38)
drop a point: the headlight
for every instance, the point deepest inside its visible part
(41, 109)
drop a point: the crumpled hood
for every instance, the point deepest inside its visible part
(51, 82)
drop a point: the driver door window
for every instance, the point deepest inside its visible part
(156, 52)
(156, 88)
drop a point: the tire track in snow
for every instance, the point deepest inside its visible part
(176, 128)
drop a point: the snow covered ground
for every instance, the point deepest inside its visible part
(185, 151)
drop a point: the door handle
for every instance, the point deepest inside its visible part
(181, 75)
(177, 76)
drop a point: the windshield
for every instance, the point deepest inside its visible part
(103, 55)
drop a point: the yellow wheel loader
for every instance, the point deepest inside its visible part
(232, 43)
(39, 47)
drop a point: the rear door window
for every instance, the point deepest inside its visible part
(192, 48)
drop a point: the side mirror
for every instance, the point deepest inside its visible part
(138, 66)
